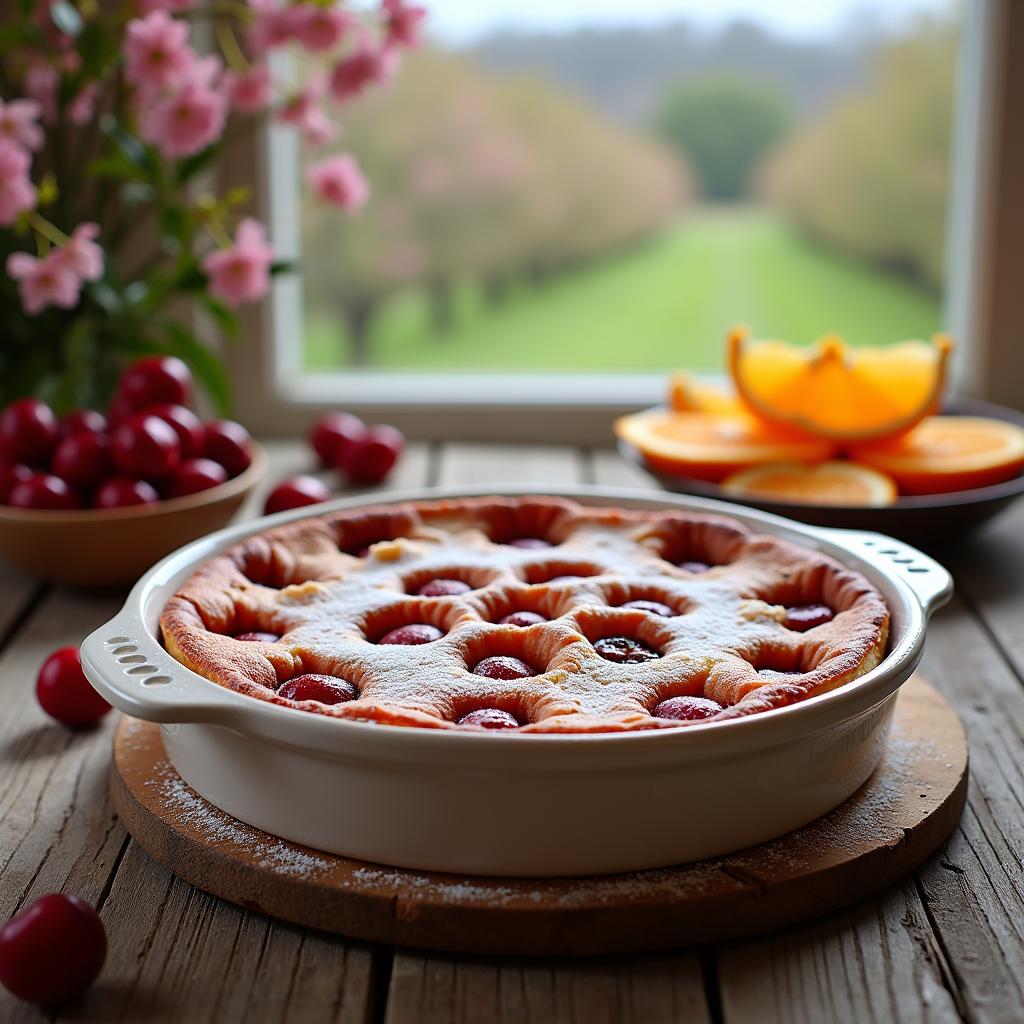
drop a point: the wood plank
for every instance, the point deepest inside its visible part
(175, 953)
(508, 465)
(609, 468)
(17, 592)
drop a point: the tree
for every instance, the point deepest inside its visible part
(723, 126)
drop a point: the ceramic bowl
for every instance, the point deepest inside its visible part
(520, 805)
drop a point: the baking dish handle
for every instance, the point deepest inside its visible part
(930, 582)
(135, 674)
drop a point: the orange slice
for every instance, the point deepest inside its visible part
(827, 483)
(948, 453)
(832, 390)
(689, 394)
(710, 446)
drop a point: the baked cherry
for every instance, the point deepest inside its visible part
(503, 666)
(194, 476)
(529, 543)
(694, 567)
(295, 493)
(153, 380)
(53, 950)
(443, 588)
(686, 709)
(83, 460)
(43, 491)
(624, 650)
(490, 718)
(229, 444)
(802, 617)
(333, 434)
(12, 473)
(64, 693)
(120, 491)
(257, 637)
(523, 618)
(185, 423)
(321, 688)
(28, 431)
(652, 607)
(413, 634)
(369, 459)
(81, 421)
(146, 447)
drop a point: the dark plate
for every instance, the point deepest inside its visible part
(924, 518)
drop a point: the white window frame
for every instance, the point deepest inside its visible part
(984, 305)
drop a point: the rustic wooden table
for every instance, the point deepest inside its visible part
(946, 945)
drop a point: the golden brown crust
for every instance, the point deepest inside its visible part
(306, 582)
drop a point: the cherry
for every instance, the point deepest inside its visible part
(194, 476)
(321, 688)
(81, 421)
(370, 459)
(229, 444)
(653, 607)
(28, 431)
(147, 448)
(185, 423)
(523, 618)
(83, 460)
(53, 950)
(333, 434)
(489, 718)
(802, 617)
(443, 588)
(624, 650)
(258, 638)
(503, 666)
(119, 491)
(153, 380)
(414, 633)
(118, 411)
(528, 542)
(43, 491)
(64, 693)
(296, 492)
(686, 709)
(12, 473)
(694, 567)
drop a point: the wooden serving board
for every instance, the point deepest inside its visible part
(901, 815)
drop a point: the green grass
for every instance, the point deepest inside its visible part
(665, 304)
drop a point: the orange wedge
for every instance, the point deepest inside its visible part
(710, 446)
(827, 483)
(833, 390)
(948, 453)
(689, 394)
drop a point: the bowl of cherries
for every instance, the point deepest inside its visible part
(94, 499)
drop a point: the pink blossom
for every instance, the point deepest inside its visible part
(41, 85)
(241, 273)
(338, 180)
(353, 74)
(249, 91)
(190, 118)
(319, 28)
(81, 255)
(272, 25)
(16, 192)
(18, 123)
(43, 282)
(402, 23)
(157, 55)
(149, 6)
(82, 106)
(303, 112)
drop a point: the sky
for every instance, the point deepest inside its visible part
(461, 21)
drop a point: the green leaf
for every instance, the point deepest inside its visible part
(282, 266)
(97, 46)
(128, 145)
(194, 164)
(223, 317)
(204, 364)
(65, 17)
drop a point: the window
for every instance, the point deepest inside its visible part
(570, 199)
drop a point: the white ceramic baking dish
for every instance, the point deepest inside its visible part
(493, 804)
